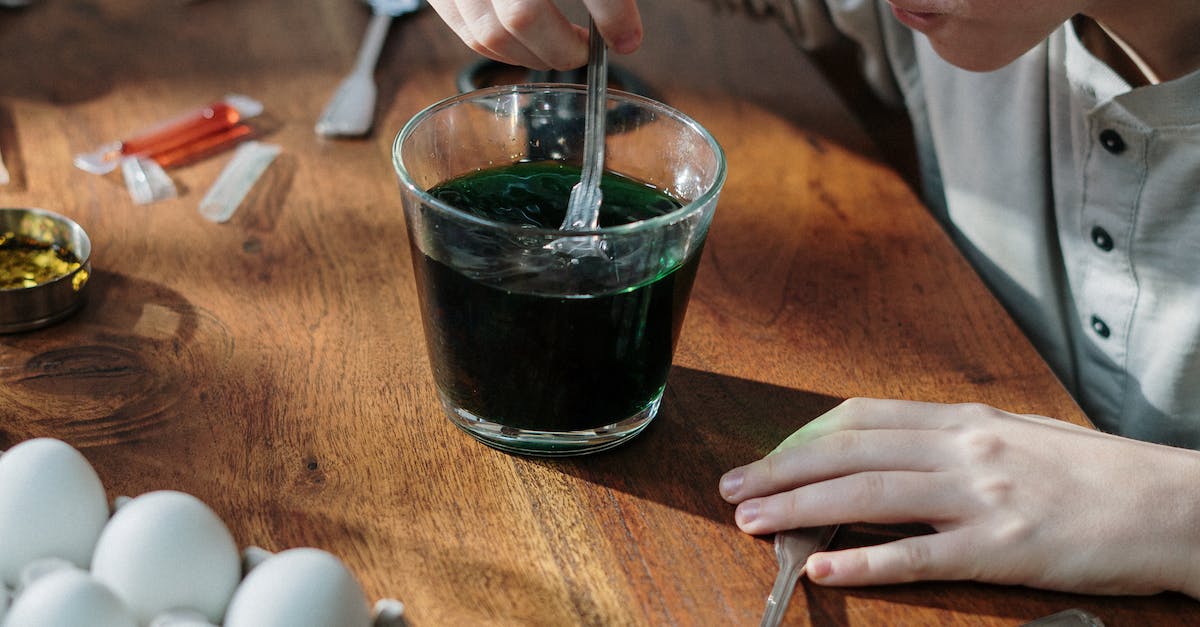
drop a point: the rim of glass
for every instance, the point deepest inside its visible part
(528, 88)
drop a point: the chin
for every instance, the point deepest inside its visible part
(977, 58)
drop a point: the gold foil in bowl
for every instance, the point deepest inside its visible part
(45, 263)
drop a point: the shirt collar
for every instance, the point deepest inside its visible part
(1168, 104)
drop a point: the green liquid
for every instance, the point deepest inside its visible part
(545, 362)
(536, 193)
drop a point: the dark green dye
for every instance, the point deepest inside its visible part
(536, 194)
(550, 363)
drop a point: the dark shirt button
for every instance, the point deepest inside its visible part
(1100, 328)
(1102, 239)
(1112, 142)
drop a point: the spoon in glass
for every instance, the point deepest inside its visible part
(583, 207)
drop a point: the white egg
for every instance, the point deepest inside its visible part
(52, 504)
(165, 551)
(180, 618)
(39, 568)
(68, 598)
(299, 588)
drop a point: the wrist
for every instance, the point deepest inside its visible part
(1188, 498)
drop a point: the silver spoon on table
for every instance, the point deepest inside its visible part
(792, 548)
(351, 110)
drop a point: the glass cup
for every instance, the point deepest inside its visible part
(543, 341)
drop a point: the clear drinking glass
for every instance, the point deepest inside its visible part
(543, 341)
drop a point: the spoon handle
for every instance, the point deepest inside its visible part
(372, 43)
(4, 178)
(792, 548)
(351, 109)
(583, 208)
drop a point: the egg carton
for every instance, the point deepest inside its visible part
(118, 564)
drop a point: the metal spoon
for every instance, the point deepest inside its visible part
(351, 110)
(792, 548)
(583, 207)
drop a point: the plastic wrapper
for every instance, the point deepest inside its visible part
(249, 161)
(179, 140)
(146, 181)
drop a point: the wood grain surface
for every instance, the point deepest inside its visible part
(274, 365)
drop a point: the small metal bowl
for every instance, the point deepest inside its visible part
(28, 308)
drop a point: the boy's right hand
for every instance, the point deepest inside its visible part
(535, 34)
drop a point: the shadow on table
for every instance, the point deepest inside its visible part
(712, 422)
(708, 424)
(118, 370)
(1018, 604)
(73, 52)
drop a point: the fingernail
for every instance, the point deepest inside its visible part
(626, 44)
(731, 482)
(818, 567)
(746, 513)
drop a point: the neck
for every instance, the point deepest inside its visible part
(1161, 34)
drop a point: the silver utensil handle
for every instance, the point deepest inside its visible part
(583, 206)
(781, 593)
(372, 43)
(792, 549)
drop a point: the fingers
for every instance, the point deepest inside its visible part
(545, 32)
(535, 33)
(501, 31)
(872, 497)
(619, 22)
(944, 556)
(834, 455)
(448, 11)
(872, 413)
(869, 413)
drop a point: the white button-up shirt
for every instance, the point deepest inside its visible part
(1076, 198)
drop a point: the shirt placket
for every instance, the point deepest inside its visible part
(1106, 287)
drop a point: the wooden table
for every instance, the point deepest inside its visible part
(274, 365)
